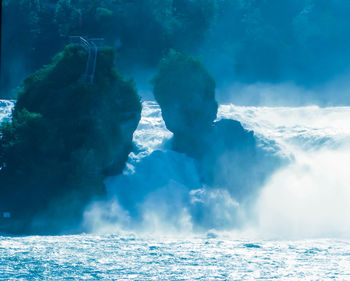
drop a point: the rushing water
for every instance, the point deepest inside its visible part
(6, 107)
(300, 230)
(87, 257)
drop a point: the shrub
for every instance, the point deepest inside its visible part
(186, 93)
(66, 135)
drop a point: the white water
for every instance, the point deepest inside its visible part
(130, 257)
(308, 198)
(6, 107)
(311, 196)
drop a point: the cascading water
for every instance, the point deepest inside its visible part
(309, 197)
(6, 108)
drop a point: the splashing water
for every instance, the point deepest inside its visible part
(310, 197)
(6, 108)
(307, 198)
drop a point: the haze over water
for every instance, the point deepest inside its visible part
(306, 199)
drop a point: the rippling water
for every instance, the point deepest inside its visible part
(86, 257)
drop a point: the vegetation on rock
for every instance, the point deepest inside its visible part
(226, 154)
(66, 135)
(186, 93)
(142, 31)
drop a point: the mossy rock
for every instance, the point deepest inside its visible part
(185, 91)
(66, 135)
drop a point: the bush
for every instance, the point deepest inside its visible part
(66, 135)
(186, 93)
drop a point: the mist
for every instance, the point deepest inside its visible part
(269, 41)
(302, 44)
(306, 197)
(175, 140)
(275, 165)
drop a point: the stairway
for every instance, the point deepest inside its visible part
(91, 45)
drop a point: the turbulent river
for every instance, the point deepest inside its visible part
(298, 228)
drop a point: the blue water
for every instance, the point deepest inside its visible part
(128, 257)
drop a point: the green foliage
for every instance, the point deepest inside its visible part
(143, 30)
(65, 134)
(186, 93)
(18, 137)
(194, 20)
(273, 40)
(66, 16)
(297, 40)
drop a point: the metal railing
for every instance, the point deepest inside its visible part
(91, 45)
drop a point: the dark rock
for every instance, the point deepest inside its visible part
(234, 161)
(65, 136)
(186, 93)
(226, 154)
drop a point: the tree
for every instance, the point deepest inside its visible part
(66, 135)
(186, 93)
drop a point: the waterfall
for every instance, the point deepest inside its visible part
(308, 197)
